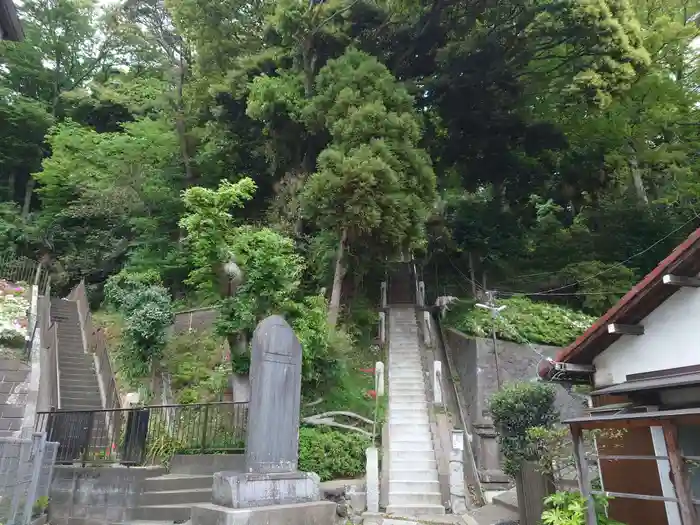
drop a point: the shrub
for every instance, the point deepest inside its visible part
(332, 454)
(569, 508)
(516, 409)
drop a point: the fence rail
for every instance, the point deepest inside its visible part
(135, 436)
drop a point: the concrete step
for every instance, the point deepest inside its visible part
(412, 445)
(407, 419)
(176, 497)
(407, 399)
(414, 498)
(414, 486)
(77, 387)
(396, 429)
(405, 435)
(180, 512)
(410, 455)
(411, 511)
(427, 474)
(174, 482)
(407, 383)
(408, 405)
(417, 464)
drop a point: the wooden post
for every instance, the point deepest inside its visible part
(679, 472)
(584, 483)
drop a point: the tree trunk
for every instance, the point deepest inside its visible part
(638, 181)
(11, 183)
(340, 270)
(28, 192)
(180, 121)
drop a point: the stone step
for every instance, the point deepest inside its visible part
(411, 511)
(408, 397)
(407, 383)
(408, 405)
(408, 418)
(414, 498)
(174, 497)
(180, 512)
(427, 474)
(410, 455)
(416, 464)
(409, 427)
(413, 486)
(404, 367)
(410, 435)
(414, 445)
(174, 482)
(412, 370)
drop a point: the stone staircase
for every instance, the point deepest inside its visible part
(78, 379)
(414, 489)
(170, 497)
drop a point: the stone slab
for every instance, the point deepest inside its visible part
(246, 490)
(313, 513)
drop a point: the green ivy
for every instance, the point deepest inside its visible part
(332, 454)
(516, 409)
(522, 321)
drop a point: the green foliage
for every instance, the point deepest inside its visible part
(569, 508)
(272, 271)
(147, 312)
(516, 409)
(523, 321)
(323, 347)
(373, 181)
(332, 454)
(210, 226)
(119, 288)
(197, 367)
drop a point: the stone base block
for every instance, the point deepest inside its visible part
(238, 490)
(315, 513)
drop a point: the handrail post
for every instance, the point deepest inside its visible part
(204, 429)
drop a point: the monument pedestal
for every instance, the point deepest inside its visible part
(245, 490)
(315, 513)
(280, 498)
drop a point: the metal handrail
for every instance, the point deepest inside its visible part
(58, 368)
(462, 412)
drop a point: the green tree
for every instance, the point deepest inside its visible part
(374, 186)
(210, 228)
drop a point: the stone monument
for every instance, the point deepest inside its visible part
(271, 491)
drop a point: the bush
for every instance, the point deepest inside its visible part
(569, 508)
(332, 454)
(516, 409)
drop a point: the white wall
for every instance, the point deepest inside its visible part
(671, 339)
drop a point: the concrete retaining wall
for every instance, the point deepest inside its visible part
(96, 495)
(475, 363)
(206, 464)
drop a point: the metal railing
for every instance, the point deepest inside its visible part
(96, 343)
(135, 436)
(23, 270)
(26, 466)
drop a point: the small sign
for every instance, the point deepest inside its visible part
(457, 441)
